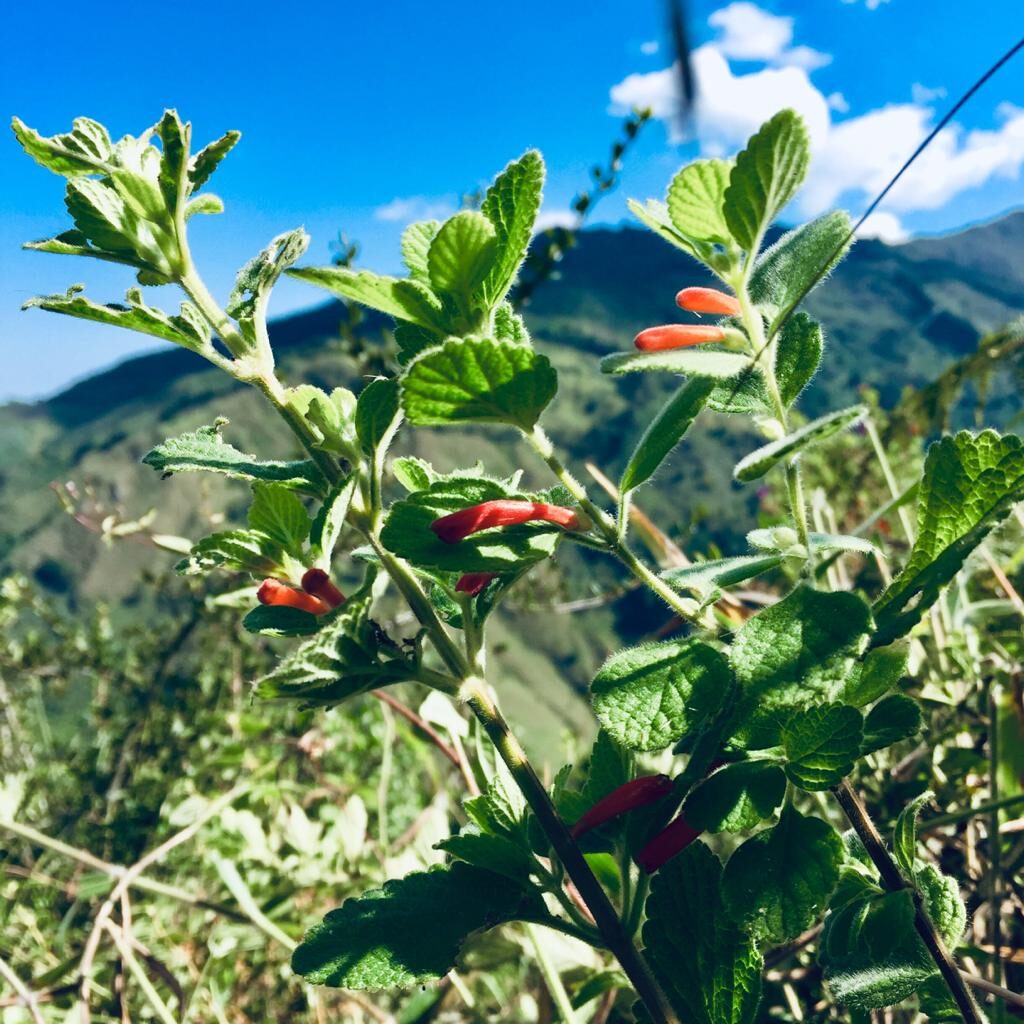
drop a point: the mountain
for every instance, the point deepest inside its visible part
(894, 317)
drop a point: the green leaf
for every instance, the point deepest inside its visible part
(797, 262)
(610, 767)
(280, 621)
(689, 362)
(709, 578)
(797, 357)
(822, 743)
(904, 834)
(875, 675)
(511, 205)
(708, 968)
(492, 852)
(768, 539)
(411, 930)
(894, 718)
(695, 200)
(135, 315)
(206, 450)
(664, 432)
(330, 521)
(970, 483)
(478, 381)
(377, 415)
(401, 298)
(650, 696)
(757, 463)
(765, 177)
(277, 512)
(736, 798)
(655, 215)
(416, 239)
(794, 655)
(778, 882)
(248, 300)
(206, 161)
(413, 473)
(236, 551)
(461, 256)
(205, 204)
(407, 531)
(86, 149)
(332, 415)
(345, 658)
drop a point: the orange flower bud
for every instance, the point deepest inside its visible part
(658, 339)
(318, 583)
(274, 592)
(459, 525)
(708, 300)
(473, 582)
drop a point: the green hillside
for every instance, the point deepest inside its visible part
(894, 316)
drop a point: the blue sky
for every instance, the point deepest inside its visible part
(359, 117)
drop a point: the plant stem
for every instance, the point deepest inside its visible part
(685, 608)
(613, 933)
(854, 809)
(552, 979)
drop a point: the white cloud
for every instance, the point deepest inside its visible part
(556, 218)
(922, 95)
(650, 47)
(752, 34)
(883, 225)
(730, 107)
(405, 209)
(837, 101)
(854, 157)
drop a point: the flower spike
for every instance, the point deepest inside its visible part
(274, 592)
(459, 525)
(708, 300)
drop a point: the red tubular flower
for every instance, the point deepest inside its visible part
(671, 840)
(473, 582)
(658, 339)
(274, 592)
(318, 583)
(708, 300)
(459, 525)
(647, 789)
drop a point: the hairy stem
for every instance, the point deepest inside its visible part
(611, 928)
(685, 608)
(857, 814)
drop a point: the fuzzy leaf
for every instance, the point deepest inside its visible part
(708, 578)
(807, 254)
(650, 696)
(875, 675)
(492, 852)
(970, 483)
(236, 551)
(506, 549)
(757, 463)
(778, 882)
(654, 214)
(86, 149)
(894, 718)
(251, 293)
(416, 239)
(904, 834)
(377, 414)
(794, 655)
(206, 161)
(689, 362)
(278, 621)
(765, 176)
(401, 298)
(736, 798)
(278, 513)
(478, 381)
(709, 969)
(664, 432)
(206, 450)
(822, 744)
(461, 256)
(411, 930)
(511, 205)
(695, 199)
